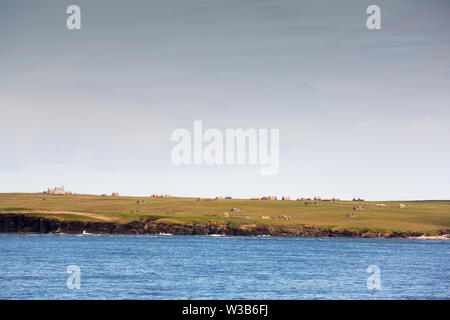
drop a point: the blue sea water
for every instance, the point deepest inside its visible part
(34, 266)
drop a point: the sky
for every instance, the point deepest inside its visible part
(361, 113)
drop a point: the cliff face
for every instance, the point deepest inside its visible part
(19, 223)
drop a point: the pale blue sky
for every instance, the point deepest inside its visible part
(361, 113)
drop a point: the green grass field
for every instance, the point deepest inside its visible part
(420, 216)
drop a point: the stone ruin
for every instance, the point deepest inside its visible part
(269, 198)
(58, 191)
(155, 195)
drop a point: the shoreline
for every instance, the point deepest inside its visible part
(425, 237)
(21, 223)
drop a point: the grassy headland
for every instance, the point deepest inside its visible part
(424, 217)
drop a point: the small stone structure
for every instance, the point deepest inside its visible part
(319, 199)
(205, 199)
(156, 195)
(58, 191)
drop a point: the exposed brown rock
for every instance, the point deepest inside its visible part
(21, 223)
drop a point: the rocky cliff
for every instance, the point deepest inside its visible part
(20, 223)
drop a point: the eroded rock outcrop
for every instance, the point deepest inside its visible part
(21, 223)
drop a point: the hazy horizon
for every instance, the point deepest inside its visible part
(360, 113)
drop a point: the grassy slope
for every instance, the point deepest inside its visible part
(422, 216)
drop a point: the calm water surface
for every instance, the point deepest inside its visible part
(34, 266)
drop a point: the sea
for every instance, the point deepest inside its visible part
(89, 266)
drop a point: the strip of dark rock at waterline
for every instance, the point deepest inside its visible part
(20, 223)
